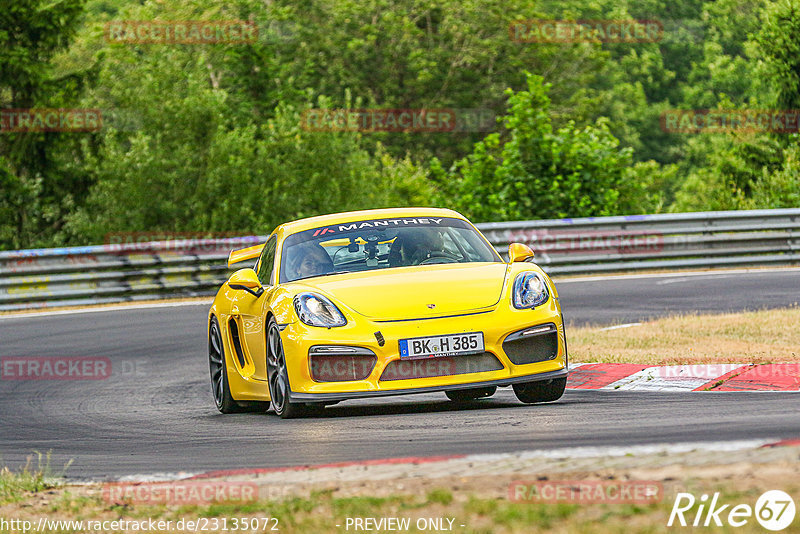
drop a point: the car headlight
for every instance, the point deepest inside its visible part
(316, 310)
(530, 291)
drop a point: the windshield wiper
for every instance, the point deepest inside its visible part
(332, 272)
(318, 275)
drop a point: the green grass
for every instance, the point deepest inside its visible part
(322, 511)
(765, 336)
(441, 496)
(14, 485)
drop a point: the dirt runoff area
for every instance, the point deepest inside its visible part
(634, 489)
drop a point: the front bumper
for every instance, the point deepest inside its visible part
(496, 324)
(326, 397)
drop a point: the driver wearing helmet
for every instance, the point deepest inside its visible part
(307, 260)
(415, 245)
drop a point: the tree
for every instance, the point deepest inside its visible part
(779, 43)
(35, 192)
(533, 171)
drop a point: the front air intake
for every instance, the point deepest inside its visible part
(532, 345)
(333, 363)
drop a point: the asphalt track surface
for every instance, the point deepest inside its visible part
(155, 414)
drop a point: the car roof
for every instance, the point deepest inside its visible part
(352, 216)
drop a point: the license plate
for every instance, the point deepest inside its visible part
(449, 345)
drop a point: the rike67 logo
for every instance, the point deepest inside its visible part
(774, 510)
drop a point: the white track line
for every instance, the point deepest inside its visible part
(616, 327)
(104, 308)
(157, 477)
(673, 448)
(680, 274)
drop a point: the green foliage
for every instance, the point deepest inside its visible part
(30, 34)
(245, 179)
(781, 188)
(206, 156)
(209, 137)
(732, 168)
(36, 191)
(441, 496)
(534, 171)
(436, 54)
(779, 43)
(30, 478)
(750, 61)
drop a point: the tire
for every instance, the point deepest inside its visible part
(278, 376)
(219, 371)
(463, 395)
(542, 391)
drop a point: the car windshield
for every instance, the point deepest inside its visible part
(382, 244)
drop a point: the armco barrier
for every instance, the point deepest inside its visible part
(663, 241)
(114, 273)
(100, 274)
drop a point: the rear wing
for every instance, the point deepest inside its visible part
(244, 254)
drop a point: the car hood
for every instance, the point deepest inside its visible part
(417, 292)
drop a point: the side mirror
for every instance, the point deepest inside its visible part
(519, 252)
(247, 280)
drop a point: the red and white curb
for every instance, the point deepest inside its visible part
(703, 377)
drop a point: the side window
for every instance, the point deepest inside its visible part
(266, 265)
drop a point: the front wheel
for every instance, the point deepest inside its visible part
(219, 371)
(463, 395)
(542, 391)
(278, 376)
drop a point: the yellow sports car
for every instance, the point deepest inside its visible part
(383, 302)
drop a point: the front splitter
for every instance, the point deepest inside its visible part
(326, 397)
